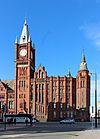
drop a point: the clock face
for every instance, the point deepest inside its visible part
(23, 52)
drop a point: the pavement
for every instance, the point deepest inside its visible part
(88, 134)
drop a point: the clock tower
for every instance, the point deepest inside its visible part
(24, 70)
(83, 91)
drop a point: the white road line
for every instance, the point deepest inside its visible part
(12, 136)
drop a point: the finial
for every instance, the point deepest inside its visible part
(25, 22)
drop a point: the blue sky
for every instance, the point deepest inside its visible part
(60, 29)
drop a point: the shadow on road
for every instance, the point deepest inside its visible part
(48, 127)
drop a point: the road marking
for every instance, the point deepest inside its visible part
(12, 136)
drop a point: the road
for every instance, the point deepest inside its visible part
(50, 130)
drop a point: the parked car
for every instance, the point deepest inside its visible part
(33, 120)
(10, 120)
(67, 121)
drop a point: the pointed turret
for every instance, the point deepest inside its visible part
(68, 74)
(83, 65)
(25, 34)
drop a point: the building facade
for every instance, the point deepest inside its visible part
(47, 98)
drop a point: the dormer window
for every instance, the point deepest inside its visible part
(23, 37)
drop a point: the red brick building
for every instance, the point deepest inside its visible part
(47, 98)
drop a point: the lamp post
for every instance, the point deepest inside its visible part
(6, 106)
(95, 100)
(95, 74)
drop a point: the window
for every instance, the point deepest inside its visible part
(82, 99)
(68, 82)
(31, 96)
(42, 86)
(83, 84)
(67, 114)
(39, 86)
(32, 87)
(24, 84)
(2, 96)
(53, 91)
(54, 105)
(11, 96)
(36, 75)
(11, 104)
(39, 96)
(24, 96)
(68, 96)
(42, 97)
(20, 95)
(21, 105)
(36, 86)
(61, 83)
(54, 114)
(36, 96)
(1, 104)
(71, 114)
(67, 105)
(39, 73)
(19, 84)
(42, 75)
(61, 91)
(61, 105)
(48, 86)
(61, 114)
(54, 83)
(1, 88)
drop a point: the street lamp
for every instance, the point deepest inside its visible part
(95, 74)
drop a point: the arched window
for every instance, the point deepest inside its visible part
(39, 73)
(42, 75)
(81, 83)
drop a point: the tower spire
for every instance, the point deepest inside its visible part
(83, 65)
(25, 34)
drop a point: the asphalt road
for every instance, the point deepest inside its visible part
(44, 130)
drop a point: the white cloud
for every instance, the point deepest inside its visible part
(92, 32)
